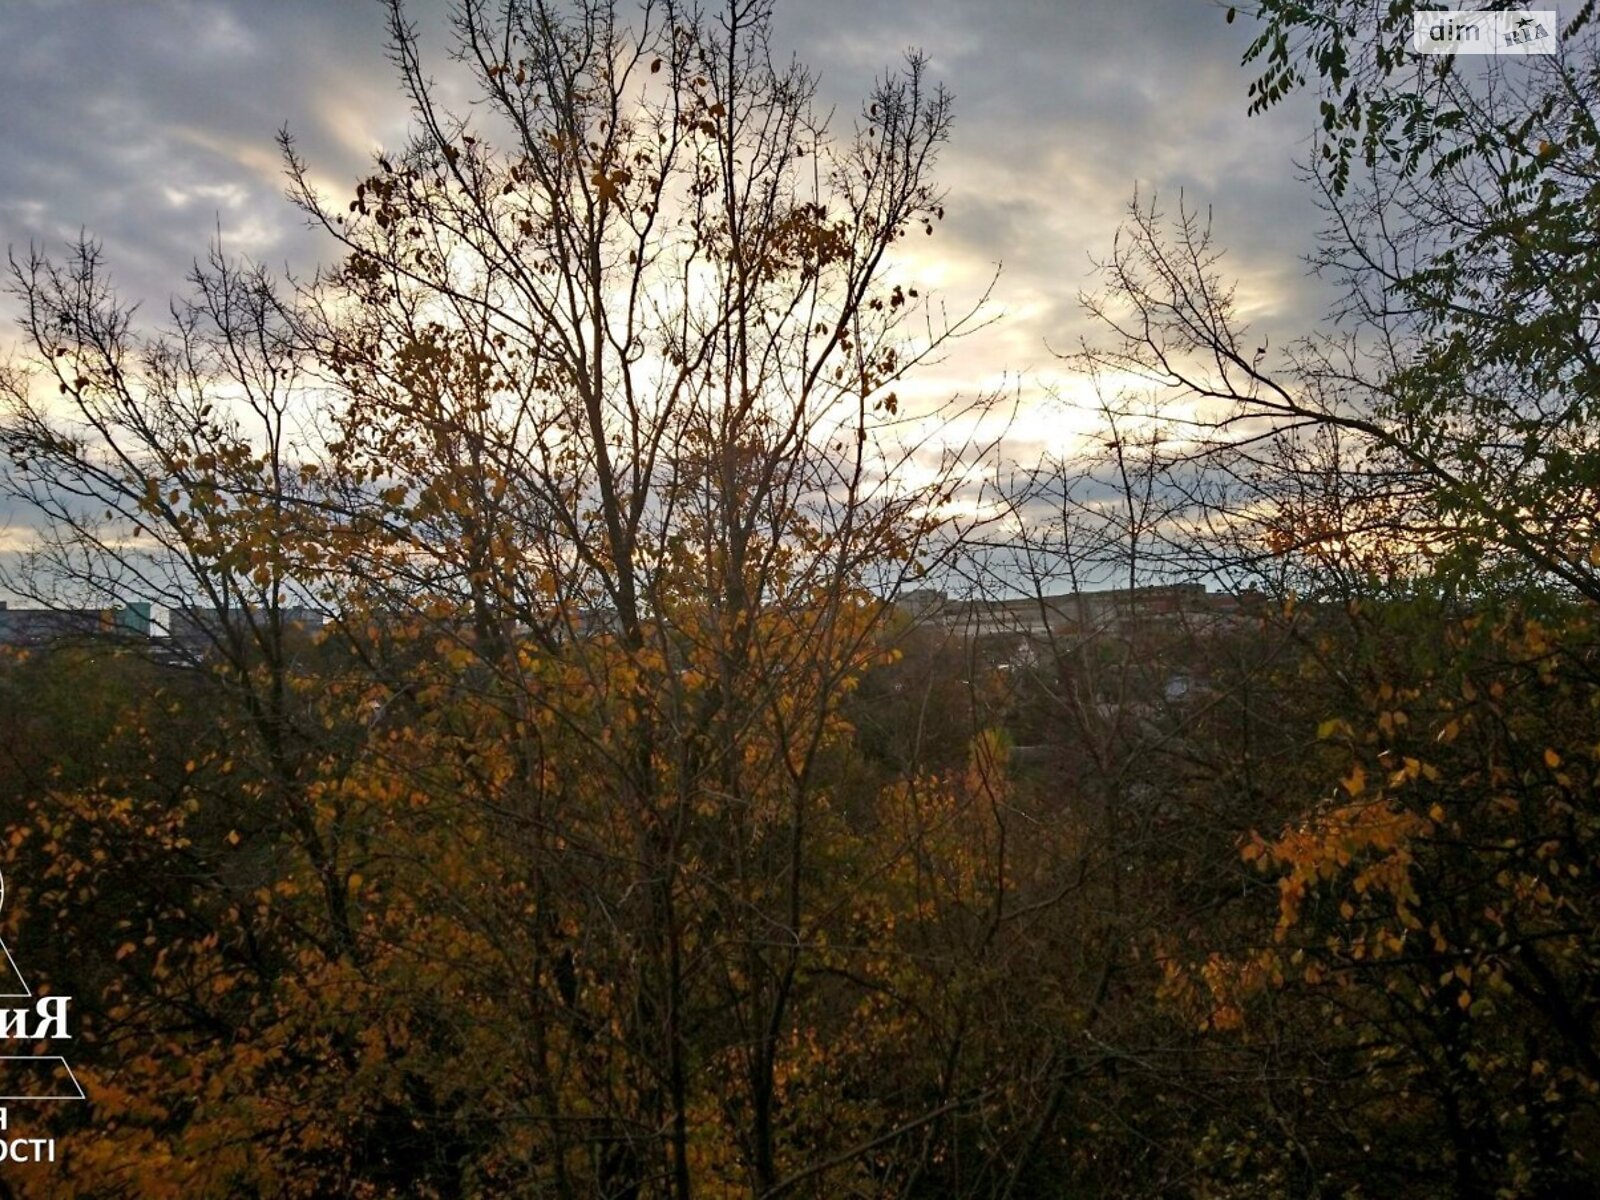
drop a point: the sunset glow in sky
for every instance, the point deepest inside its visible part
(150, 126)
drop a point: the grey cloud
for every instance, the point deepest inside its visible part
(1062, 110)
(149, 124)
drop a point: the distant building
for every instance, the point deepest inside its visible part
(197, 630)
(44, 626)
(192, 633)
(1070, 613)
(1160, 622)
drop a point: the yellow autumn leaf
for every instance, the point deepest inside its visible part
(1356, 780)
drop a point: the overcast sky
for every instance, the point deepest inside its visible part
(148, 124)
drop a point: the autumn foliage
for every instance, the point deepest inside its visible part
(624, 830)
